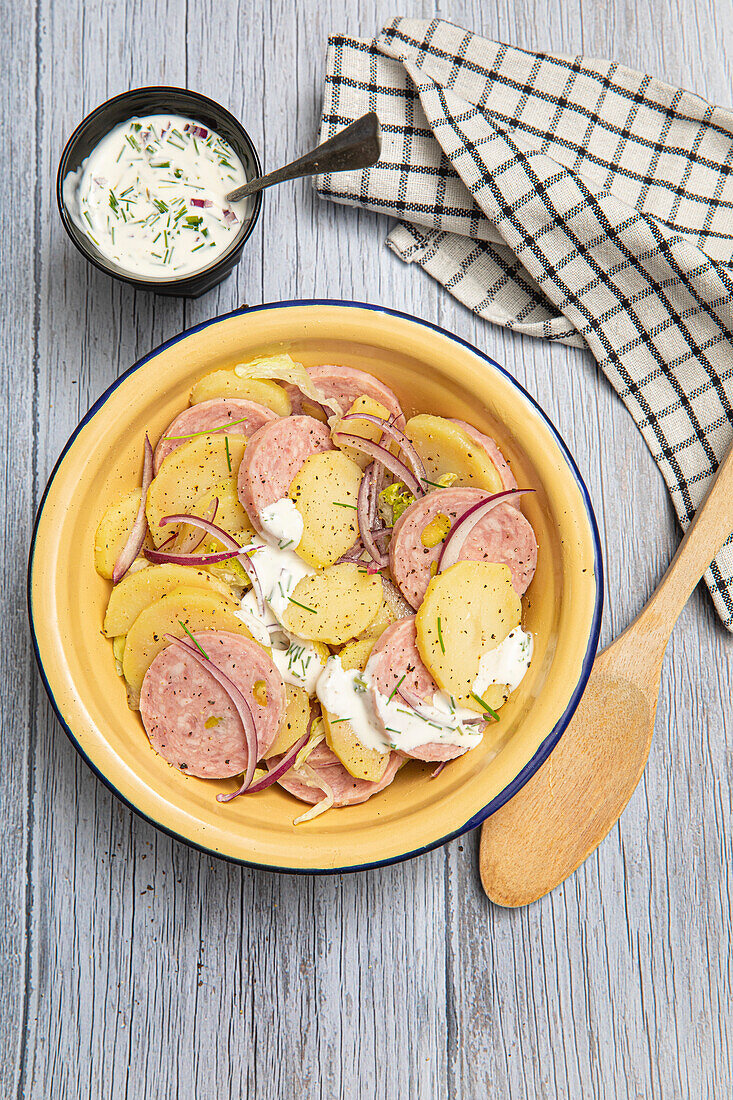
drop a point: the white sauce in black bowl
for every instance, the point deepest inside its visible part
(151, 196)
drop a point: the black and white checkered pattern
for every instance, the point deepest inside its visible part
(565, 198)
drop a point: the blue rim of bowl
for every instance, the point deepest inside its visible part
(140, 281)
(545, 747)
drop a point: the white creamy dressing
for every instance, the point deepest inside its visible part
(151, 196)
(383, 723)
(343, 693)
(507, 663)
(278, 570)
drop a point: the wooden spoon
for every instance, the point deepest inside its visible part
(563, 813)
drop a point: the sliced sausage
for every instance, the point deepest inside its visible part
(347, 790)
(274, 456)
(179, 697)
(395, 660)
(212, 416)
(508, 479)
(504, 536)
(343, 385)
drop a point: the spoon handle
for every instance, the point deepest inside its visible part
(711, 527)
(358, 146)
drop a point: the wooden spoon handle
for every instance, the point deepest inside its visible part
(712, 525)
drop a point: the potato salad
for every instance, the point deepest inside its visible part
(310, 589)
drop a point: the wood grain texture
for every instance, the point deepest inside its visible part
(134, 967)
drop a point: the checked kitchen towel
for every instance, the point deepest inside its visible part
(566, 198)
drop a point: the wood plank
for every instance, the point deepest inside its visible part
(19, 689)
(154, 971)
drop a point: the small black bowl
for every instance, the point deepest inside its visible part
(159, 100)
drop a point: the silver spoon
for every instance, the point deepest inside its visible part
(358, 146)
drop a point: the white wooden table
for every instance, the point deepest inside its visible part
(134, 967)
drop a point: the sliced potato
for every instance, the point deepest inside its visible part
(384, 618)
(393, 608)
(227, 383)
(335, 605)
(138, 590)
(359, 761)
(186, 474)
(445, 448)
(356, 654)
(363, 428)
(295, 720)
(111, 534)
(118, 651)
(325, 491)
(467, 610)
(197, 609)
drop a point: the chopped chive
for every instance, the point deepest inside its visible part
(440, 636)
(183, 625)
(305, 608)
(334, 721)
(229, 457)
(208, 431)
(338, 504)
(174, 144)
(86, 215)
(486, 706)
(198, 246)
(396, 688)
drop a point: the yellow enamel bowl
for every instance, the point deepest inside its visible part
(431, 371)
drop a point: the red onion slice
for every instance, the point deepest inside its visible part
(136, 538)
(277, 772)
(172, 557)
(412, 458)
(231, 544)
(240, 704)
(363, 515)
(205, 525)
(193, 539)
(462, 528)
(280, 768)
(354, 554)
(439, 769)
(384, 457)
